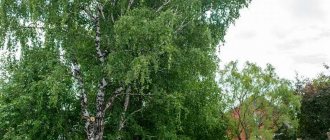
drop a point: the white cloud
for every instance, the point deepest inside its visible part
(307, 9)
(310, 59)
(292, 35)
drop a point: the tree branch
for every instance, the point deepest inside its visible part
(113, 3)
(77, 74)
(100, 10)
(184, 23)
(113, 97)
(125, 119)
(135, 111)
(126, 103)
(164, 4)
(88, 11)
(33, 27)
(129, 5)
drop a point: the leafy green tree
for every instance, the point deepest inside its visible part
(139, 68)
(257, 101)
(314, 118)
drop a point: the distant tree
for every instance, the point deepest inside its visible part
(258, 101)
(314, 119)
(113, 69)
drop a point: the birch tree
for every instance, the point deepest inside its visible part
(116, 56)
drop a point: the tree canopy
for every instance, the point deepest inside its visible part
(112, 69)
(257, 102)
(314, 118)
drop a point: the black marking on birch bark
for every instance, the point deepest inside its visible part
(100, 110)
(99, 52)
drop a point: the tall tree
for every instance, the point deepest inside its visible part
(126, 57)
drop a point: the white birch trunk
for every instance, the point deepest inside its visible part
(89, 123)
(99, 125)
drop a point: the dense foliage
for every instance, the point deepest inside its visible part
(37, 101)
(258, 103)
(125, 69)
(314, 122)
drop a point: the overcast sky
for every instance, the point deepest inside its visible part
(292, 35)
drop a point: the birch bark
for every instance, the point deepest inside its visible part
(99, 125)
(89, 122)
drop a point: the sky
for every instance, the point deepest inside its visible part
(292, 35)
